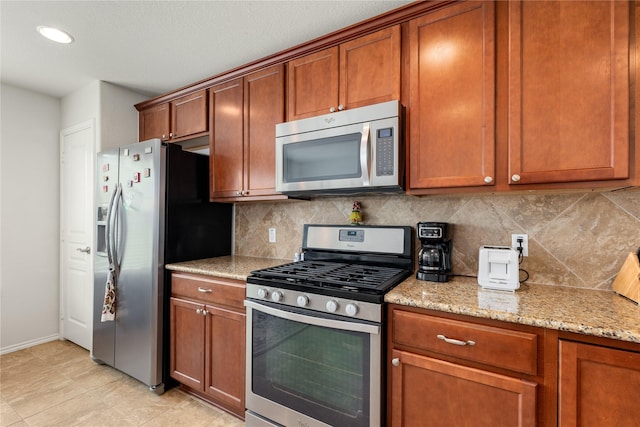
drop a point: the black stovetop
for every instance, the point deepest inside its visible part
(348, 280)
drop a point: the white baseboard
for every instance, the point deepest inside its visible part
(27, 344)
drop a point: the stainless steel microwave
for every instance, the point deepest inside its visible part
(348, 152)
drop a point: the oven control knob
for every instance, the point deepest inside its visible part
(277, 296)
(332, 306)
(351, 309)
(263, 293)
(302, 300)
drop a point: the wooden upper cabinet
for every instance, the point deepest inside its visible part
(189, 115)
(360, 72)
(264, 108)
(313, 84)
(452, 100)
(598, 386)
(154, 122)
(183, 118)
(245, 112)
(370, 69)
(568, 91)
(226, 143)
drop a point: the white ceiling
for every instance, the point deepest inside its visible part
(154, 47)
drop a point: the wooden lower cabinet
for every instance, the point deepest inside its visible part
(431, 392)
(599, 386)
(448, 370)
(207, 339)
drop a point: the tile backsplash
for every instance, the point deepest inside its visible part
(575, 239)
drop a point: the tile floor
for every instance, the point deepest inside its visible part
(57, 384)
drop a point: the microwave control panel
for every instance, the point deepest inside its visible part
(384, 152)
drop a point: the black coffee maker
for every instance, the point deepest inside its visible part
(434, 259)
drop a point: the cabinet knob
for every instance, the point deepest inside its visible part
(164, 136)
(238, 193)
(170, 134)
(395, 361)
(332, 109)
(340, 107)
(204, 312)
(199, 311)
(515, 177)
(488, 180)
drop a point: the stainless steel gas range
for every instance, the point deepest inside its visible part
(315, 328)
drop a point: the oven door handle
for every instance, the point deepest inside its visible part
(316, 321)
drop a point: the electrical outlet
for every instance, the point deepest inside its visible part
(272, 235)
(525, 243)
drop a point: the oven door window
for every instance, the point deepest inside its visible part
(318, 371)
(336, 157)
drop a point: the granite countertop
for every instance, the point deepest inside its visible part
(591, 312)
(230, 267)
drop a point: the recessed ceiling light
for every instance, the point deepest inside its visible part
(55, 34)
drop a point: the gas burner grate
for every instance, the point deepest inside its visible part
(353, 277)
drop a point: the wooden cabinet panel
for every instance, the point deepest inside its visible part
(209, 289)
(370, 69)
(187, 338)
(568, 91)
(154, 122)
(599, 386)
(226, 147)
(313, 84)
(359, 72)
(502, 348)
(189, 115)
(225, 357)
(452, 99)
(207, 338)
(264, 108)
(431, 392)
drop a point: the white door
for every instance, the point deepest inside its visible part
(77, 154)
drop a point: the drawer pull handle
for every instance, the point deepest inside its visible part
(454, 341)
(204, 291)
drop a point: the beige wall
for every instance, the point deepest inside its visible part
(575, 239)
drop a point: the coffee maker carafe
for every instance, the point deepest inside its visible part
(434, 259)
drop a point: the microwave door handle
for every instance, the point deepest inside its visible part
(365, 155)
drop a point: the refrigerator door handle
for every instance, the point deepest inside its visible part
(114, 225)
(107, 230)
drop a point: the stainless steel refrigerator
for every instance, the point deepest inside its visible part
(152, 209)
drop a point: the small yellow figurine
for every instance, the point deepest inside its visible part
(355, 217)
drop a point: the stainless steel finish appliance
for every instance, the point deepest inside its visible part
(434, 258)
(152, 209)
(315, 328)
(347, 152)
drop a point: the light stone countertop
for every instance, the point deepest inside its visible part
(585, 311)
(230, 267)
(591, 312)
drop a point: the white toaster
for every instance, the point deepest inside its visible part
(498, 268)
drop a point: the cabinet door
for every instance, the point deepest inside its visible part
(452, 101)
(226, 147)
(264, 108)
(313, 84)
(225, 357)
(431, 392)
(599, 386)
(370, 69)
(154, 123)
(568, 91)
(187, 338)
(189, 115)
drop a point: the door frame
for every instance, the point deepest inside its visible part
(88, 124)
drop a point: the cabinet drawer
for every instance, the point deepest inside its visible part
(501, 348)
(209, 289)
